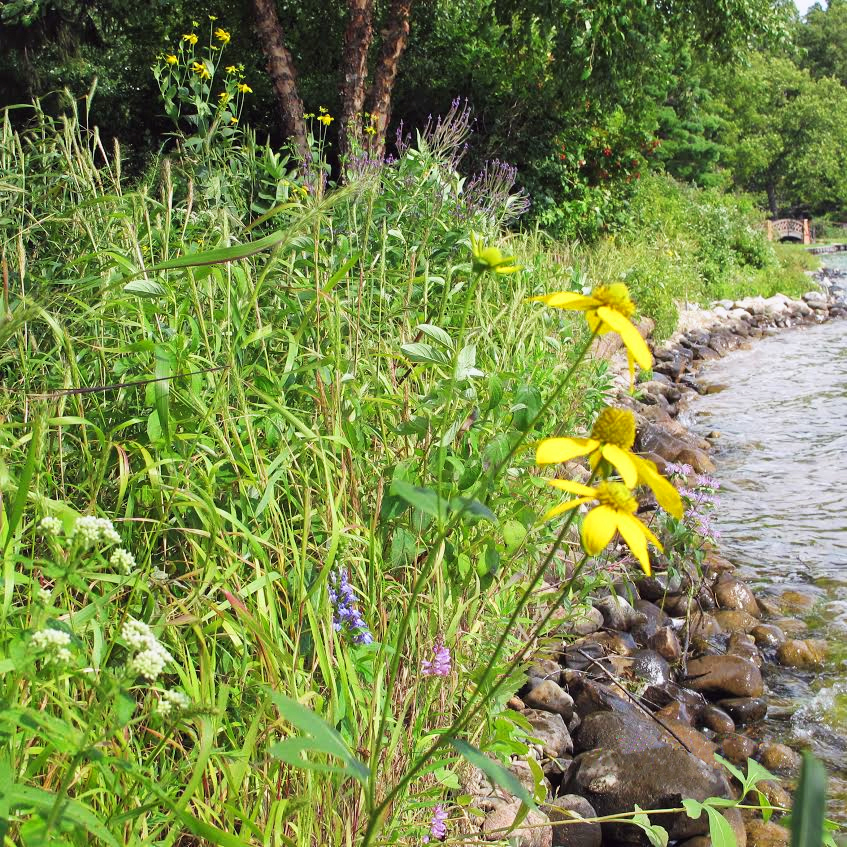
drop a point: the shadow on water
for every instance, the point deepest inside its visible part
(782, 463)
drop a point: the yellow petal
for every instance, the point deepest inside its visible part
(572, 487)
(630, 336)
(562, 449)
(566, 300)
(635, 534)
(598, 528)
(622, 461)
(631, 365)
(565, 507)
(666, 495)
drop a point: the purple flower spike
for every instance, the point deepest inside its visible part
(346, 616)
(438, 825)
(440, 664)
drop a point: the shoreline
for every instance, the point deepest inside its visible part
(664, 672)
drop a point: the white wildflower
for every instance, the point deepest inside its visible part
(54, 642)
(50, 525)
(122, 560)
(45, 595)
(173, 699)
(90, 530)
(151, 656)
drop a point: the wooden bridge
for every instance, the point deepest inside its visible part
(789, 229)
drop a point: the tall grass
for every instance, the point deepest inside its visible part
(235, 375)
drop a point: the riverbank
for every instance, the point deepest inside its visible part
(664, 672)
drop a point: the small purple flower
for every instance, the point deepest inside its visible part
(440, 664)
(346, 616)
(438, 825)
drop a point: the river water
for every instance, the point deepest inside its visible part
(781, 459)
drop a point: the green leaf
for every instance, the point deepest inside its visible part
(656, 835)
(163, 370)
(145, 288)
(719, 829)
(318, 737)
(472, 508)
(72, 810)
(424, 354)
(807, 820)
(493, 770)
(438, 335)
(424, 499)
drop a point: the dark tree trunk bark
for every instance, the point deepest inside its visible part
(282, 73)
(771, 188)
(394, 41)
(354, 74)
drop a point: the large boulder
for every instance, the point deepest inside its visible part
(656, 778)
(724, 676)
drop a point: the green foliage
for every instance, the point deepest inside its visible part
(821, 40)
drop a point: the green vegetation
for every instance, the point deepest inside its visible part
(269, 523)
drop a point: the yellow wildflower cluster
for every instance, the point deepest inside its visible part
(190, 37)
(201, 69)
(222, 35)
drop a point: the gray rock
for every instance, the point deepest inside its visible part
(725, 675)
(649, 666)
(572, 807)
(745, 709)
(551, 732)
(617, 613)
(533, 831)
(550, 697)
(666, 644)
(656, 778)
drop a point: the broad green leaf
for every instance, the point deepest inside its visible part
(425, 354)
(72, 810)
(719, 829)
(807, 819)
(421, 498)
(145, 288)
(437, 334)
(493, 770)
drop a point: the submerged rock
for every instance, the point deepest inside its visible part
(736, 596)
(795, 653)
(779, 757)
(745, 709)
(767, 635)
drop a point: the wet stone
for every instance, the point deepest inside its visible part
(767, 635)
(617, 613)
(795, 653)
(770, 834)
(737, 748)
(779, 757)
(724, 675)
(745, 709)
(717, 720)
(666, 644)
(735, 621)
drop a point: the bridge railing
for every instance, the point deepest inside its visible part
(797, 230)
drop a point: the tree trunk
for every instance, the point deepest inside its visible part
(282, 73)
(394, 41)
(354, 74)
(771, 188)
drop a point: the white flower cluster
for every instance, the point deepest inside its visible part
(50, 525)
(170, 700)
(55, 642)
(90, 530)
(122, 560)
(151, 657)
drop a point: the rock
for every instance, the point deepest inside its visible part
(790, 626)
(582, 655)
(779, 757)
(649, 666)
(654, 618)
(534, 830)
(551, 731)
(658, 586)
(770, 834)
(521, 769)
(583, 620)
(676, 711)
(614, 782)
(725, 675)
(567, 808)
(516, 704)
(717, 720)
(617, 613)
(737, 748)
(619, 643)
(745, 709)
(736, 596)
(794, 653)
(547, 696)
(767, 635)
(659, 696)
(732, 620)
(666, 644)
(796, 601)
(704, 625)
(742, 644)
(541, 669)
(775, 794)
(555, 771)
(736, 822)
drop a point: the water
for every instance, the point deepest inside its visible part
(782, 462)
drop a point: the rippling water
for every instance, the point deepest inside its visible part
(782, 463)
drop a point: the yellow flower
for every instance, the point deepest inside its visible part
(231, 69)
(222, 35)
(322, 109)
(223, 96)
(612, 437)
(171, 59)
(309, 115)
(213, 17)
(233, 120)
(490, 258)
(615, 513)
(326, 120)
(191, 38)
(370, 130)
(607, 309)
(200, 69)
(244, 88)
